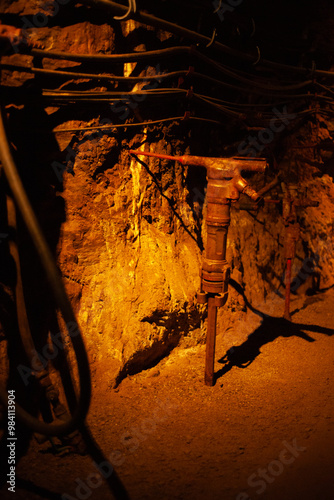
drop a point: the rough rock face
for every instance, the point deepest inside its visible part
(129, 245)
(256, 243)
(124, 250)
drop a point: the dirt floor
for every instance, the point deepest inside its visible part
(265, 430)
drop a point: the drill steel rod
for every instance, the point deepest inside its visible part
(287, 290)
(210, 342)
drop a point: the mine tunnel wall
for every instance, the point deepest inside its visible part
(128, 236)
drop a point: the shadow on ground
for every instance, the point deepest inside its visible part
(270, 329)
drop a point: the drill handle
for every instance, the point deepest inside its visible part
(218, 167)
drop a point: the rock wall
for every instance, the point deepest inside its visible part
(129, 256)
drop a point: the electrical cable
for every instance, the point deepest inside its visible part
(170, 51)
(221, 108)
(86, 96)
(132, 79)
(224, 106)
(129, 57)
(59, 96)
(151, 20)
(237, 110)
(262, 86)
(288, 97)
(141, 124)
(60, 295)
(120, 94)
(242, 106)
(151, 92)
(324, 87)
(229, 72)
(243, 114)
(92, 76)
(258, 86)
(131, 10)
(239, 104)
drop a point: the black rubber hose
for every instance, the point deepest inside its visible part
(22, 318)
(149, 55)
(192, 74)
(133, 79)
(145, 18)
(60, 296)
(151, 20)
(173, 74)
(191, 51)
(130, 56)
(93, 76)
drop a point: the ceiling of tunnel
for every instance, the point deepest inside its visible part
(287, 31)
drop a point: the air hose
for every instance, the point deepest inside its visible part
(145, 18)
(61, 298)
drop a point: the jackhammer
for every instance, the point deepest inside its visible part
(224, 187)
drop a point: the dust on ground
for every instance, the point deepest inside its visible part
(265, 430)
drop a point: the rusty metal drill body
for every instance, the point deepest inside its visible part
(225, 184)
(215, 269)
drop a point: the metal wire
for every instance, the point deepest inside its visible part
(140, 124)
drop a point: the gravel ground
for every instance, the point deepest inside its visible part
(265, 430)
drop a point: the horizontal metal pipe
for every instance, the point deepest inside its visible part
(226, 166)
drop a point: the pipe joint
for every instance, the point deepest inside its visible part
(215, 276)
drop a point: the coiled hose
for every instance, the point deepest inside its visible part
(61, 299)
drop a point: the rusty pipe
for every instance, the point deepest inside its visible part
(225, 167)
